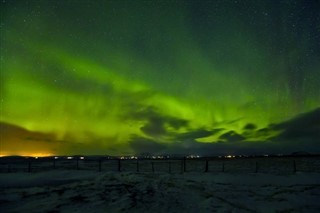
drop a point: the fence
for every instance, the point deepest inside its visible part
(286, 165)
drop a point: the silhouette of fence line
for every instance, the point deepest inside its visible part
(182, 165)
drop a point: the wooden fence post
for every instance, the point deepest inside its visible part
(169, 166)
(119, 165)
(207, 166)
(152, 165)
(294, 166)
(184, 164)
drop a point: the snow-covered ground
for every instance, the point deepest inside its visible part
(91, 191)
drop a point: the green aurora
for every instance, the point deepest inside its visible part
(123, 77)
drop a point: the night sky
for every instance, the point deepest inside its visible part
(179, 77)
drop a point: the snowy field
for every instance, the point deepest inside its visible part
(92, 191)
(234, 185)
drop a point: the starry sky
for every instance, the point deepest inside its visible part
(167, 76)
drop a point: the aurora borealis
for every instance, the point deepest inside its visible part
(124, 77)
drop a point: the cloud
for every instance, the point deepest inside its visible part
(142, 145)
(154, 127)
(301, 133)
(297, 134)
(231, 136)
(249, 127)
(306, 125)
(157, 124)
(18, 140)
(14, 132)
(194, 134)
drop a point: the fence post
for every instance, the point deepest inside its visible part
(181, 164)
(257, 167)
(119, 165)
(137, 165)
(169, 166)
(152, 167)
(207, 166)
(99, 165)
(184, 164)
(294, 166)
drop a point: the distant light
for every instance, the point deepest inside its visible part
(193, 156)
(69, 158)
(56, 157)
(81, 158)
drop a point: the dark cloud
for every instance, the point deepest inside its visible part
(250, 126)
(301, 133)
(298, 134)
(156, 122)
(145, 145)
(176, 123)
(190, 146)
(154, 127)
(265, 130)
(306, 125)
(198, 133)
(13, 132)
(15, 139)
(231, 136)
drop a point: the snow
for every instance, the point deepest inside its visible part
(92, 191)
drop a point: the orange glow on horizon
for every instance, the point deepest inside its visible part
(42, 154)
